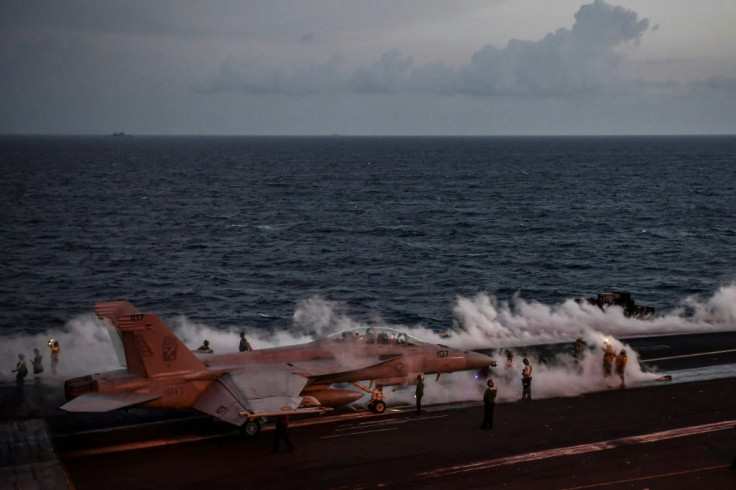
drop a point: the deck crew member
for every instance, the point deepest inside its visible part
(282, 432)
(608, 356)
(621, 361)
(244, 344)
(21, 371)
(489, 404)
(508, 373)
(205, 347)
(420, 391)
(55, 349)
(37, 363)
(526, 380)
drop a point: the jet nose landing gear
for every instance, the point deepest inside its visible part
(377, 406)
(376, 403)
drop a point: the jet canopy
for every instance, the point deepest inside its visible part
(375, 335)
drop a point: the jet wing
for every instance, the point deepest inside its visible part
(104, 402)
(317, 369)
(271, 388)
(321, 372)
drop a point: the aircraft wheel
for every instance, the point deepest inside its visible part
(371, 406)
(251, 428)
(379, 406)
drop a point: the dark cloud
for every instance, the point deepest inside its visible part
(184, 19)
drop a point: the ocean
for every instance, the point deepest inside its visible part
(308, 234)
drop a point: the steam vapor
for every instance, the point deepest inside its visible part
(481, 322)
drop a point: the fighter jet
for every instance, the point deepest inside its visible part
(244, 387)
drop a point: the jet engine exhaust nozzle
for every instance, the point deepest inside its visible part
(77, 386)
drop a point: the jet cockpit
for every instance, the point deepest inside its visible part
(376, 335)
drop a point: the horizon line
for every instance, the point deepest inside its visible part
(340, 135)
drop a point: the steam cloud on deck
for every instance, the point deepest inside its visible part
(481, 322)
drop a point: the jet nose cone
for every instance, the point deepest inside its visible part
(476, 360)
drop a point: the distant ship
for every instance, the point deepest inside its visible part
(119, 134)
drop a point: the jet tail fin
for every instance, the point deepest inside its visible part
(150, 347)
(109, 312)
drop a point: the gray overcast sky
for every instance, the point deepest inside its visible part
(373, 67)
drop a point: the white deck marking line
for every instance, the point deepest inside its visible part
(650, 477)
(683, 356)
(580, 449)
(653, 347)
(134, 446)
(138, 426)
(358, 433)
(387, 422)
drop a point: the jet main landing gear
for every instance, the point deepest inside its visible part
(252, 427)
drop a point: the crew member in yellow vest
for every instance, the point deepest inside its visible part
(621, 361)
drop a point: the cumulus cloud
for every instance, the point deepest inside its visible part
(585, 58)
(388, 74)
(245, 75)
(259, 67)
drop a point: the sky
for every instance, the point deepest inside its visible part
(373, 67)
